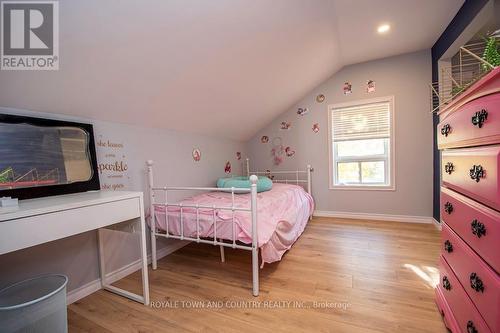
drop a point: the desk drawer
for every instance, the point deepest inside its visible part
(480, 282)
(25, 232)
(477, 225)
(474, 172)
(464, 312)
(475, 123)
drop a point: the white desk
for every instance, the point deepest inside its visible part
(44, 220)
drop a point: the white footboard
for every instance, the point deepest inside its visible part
(215, 239)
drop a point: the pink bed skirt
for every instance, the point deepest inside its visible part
(282, 214)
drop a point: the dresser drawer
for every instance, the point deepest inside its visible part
(480, 282)
(475, 123)
(464, 312)
(444, 308)
(477, 225)
(474, 172)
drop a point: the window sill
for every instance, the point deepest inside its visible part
(362, 188)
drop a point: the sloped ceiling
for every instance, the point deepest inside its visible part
(222, 68)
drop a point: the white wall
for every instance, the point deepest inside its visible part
(405, 77)
(171, 151)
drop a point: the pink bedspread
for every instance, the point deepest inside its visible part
(282, 214)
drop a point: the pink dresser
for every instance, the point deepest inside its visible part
(468, 294)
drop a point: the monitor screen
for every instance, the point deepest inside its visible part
(41, 157)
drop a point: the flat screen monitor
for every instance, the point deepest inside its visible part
(45, 157)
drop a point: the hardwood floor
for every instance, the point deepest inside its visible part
(341, 276)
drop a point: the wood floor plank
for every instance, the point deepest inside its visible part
(80, 324)
(340, 276)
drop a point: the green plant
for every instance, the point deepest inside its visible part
(491, 53)
(456, 90)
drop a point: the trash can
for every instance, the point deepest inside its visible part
(35, 305)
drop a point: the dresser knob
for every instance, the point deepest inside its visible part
(449, 168)
(478, 228)
(479, 118)
(446, 129)
(470, 327)
(476, 283)
(448, 207)
(446, 283)
(476, 173)
(448, 247)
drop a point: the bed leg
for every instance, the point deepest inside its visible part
(153, 250)
(149, 164)
(222, 254)
(255, 271)
(255, 237)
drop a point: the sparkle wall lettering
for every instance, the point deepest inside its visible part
(112, 164)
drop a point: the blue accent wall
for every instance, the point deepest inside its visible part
(464, 17)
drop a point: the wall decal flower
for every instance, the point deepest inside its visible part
(370, 86)
(289, 152)
(315, 128)
(196, 155)
(227, 168)
(347, 88)
(264, 139)
(320, 98)
(302, 111)
(277, 160)
(238, 155)
(269, 175)
(278, 151)
(285, 125)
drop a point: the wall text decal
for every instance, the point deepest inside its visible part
(112, 164)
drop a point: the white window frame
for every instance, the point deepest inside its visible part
(390, 170)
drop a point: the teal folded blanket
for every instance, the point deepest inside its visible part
(263, 183)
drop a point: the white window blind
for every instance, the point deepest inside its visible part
(368, 121)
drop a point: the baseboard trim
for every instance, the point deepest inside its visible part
(93, 286)
(437, 224)
(83, 291)
(374, 217)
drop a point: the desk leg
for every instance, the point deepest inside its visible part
(144, 267)
(102, 267)
(144, 257)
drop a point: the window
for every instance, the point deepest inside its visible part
(361, 145)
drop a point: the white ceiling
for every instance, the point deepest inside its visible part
(224, 68)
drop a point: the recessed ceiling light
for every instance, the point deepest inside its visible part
(383, 28)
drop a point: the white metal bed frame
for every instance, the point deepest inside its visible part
(253, 247)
